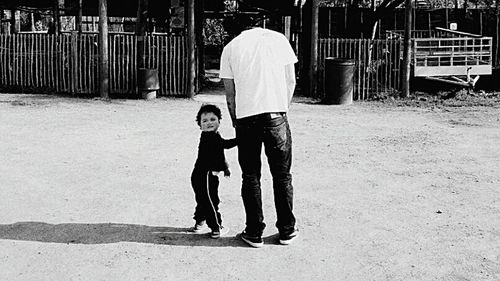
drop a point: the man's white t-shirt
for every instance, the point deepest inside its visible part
(256, 61)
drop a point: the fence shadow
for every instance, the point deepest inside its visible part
(106, 233)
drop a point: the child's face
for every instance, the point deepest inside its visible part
(209, 122)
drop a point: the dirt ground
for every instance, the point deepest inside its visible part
(384, 190)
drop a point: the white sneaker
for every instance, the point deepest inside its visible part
(198, 227)
(288, 239)
(220, 232)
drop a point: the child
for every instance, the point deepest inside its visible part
(210, 162)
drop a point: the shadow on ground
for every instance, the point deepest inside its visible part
(105, 233)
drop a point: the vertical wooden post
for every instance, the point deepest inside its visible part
(305, 46)
(287, 23)
(405, 72)
(313, 70)
(480, 22)
(345, 22)
(32, 19)
(79, 16)
(103, 49)
(74, 66)
(429, 22)
(191, 41)
(57, 21)
(413, 16)
(200, 45)
(1, 21)
(446, 20)
(140, 30)
(13, 22)
(497, 28)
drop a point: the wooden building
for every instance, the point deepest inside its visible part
(92, 56)
(144, 34)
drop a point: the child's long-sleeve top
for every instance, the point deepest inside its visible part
(211, 151)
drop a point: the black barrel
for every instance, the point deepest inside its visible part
(148, 79)
(339, 81)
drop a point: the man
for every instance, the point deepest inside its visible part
(257, 68)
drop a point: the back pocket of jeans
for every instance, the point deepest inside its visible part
(278, 136)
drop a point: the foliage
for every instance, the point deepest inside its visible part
(230, 5)
(213, 32)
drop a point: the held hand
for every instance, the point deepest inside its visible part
(227, 173)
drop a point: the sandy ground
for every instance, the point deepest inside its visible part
(96, 190)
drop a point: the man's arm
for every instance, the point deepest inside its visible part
(230, 98)
(290, 81)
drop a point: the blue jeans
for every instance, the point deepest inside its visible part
(275, 134)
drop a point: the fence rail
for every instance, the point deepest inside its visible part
(69, 63)
(452, 56)
(377, 63)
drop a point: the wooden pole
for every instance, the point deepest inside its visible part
(429, 22)
(313, 69)
(305, 46)
(497, 47)
(287, 23)
(79, 17)
(200, 46)
(1, 21)
(191, 41)
(405, 72)
(57, 21)
(446, 20)
(480, 22)
(13, 22)
(103, 49)
(372, 37)
(32, 19)
(140, 30)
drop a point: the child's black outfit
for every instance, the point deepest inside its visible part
(204, 182)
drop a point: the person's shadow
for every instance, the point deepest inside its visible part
(105, 233)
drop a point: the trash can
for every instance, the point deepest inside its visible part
(339, 81)
(148, 83)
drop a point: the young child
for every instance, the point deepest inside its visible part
(210, 161)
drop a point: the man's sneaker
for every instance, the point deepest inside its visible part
(254, 241)
(198, 227)
(217, 233)
(288, 238)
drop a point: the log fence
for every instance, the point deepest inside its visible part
(68, 63)
(377, 63)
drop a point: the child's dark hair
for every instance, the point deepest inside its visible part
(206, 108)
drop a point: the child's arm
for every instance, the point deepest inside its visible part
(229, 143)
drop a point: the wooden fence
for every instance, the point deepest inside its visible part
(68, 63)
(374, 73)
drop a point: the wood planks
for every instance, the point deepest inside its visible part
(68, 63)
(376, 73)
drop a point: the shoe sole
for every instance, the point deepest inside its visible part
(253, 244)
(289, 241)
(224, 231)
